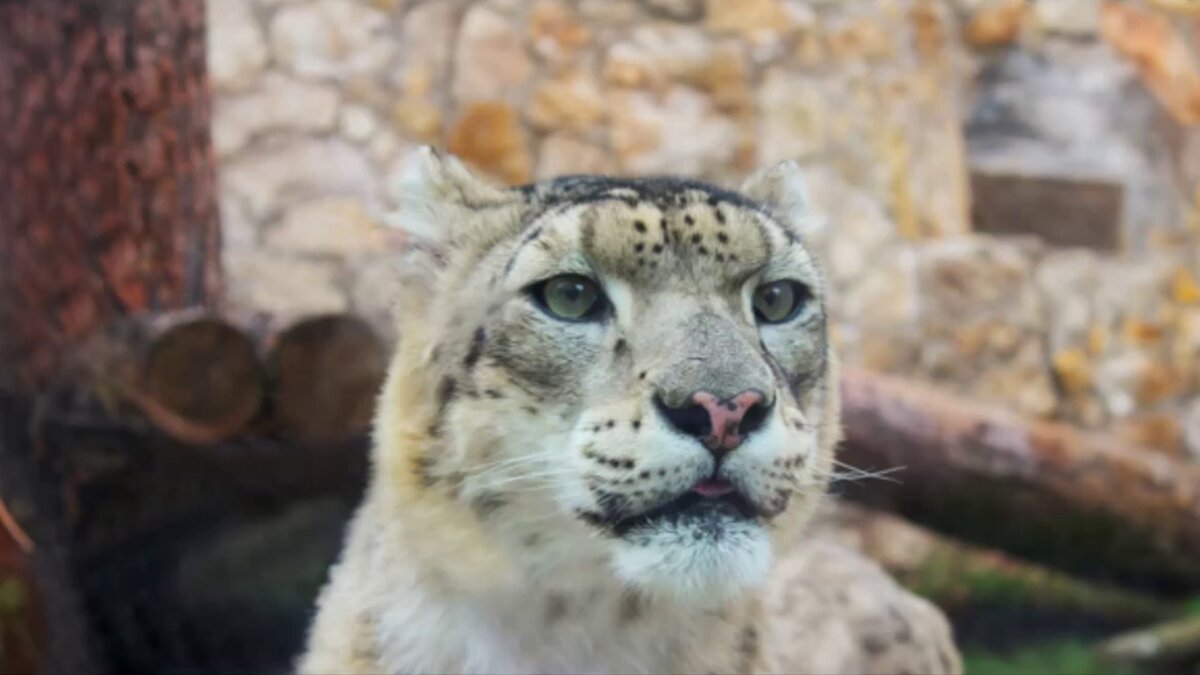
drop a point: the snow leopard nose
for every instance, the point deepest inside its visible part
(720, 424)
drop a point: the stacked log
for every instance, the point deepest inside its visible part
(202, 378)
(325, 374)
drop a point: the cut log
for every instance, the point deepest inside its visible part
(195, 376)
(205, 371)
(1044, 491)
(325, 374)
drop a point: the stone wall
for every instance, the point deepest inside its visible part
(891, 103)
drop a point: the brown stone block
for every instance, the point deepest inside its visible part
(1060, 211)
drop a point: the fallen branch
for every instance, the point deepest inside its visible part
(1044, 491)
(1173, 644)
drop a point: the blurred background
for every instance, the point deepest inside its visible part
(195, 284)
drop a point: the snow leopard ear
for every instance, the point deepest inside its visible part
(440, 201)
(783, 188)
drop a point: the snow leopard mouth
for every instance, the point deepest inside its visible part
(704, 508)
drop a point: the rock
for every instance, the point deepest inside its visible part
(1156, 382)
(1117, 380)
(977, 277)
(337, 226)
(977, 317)
(489, 136)
(860, 38)
(373, 294)
(555, 31)
(725, 77)
(849, 227)
(331, 38)
(283, 286)
(1185, 288)
(561, 154)
(572, 101)
(757, 20)
(1066, 280)
(680, 132)
(1188, 337)
(237, 51)
(677, 10)
(1075, 18)
(894, 129)
(794, 116)
(238, 229)
(1191, 429)
(603, 13)
(1074, 371)
(358, 122)
(491, 63)
(384, 146)
(418, 119)
(277, 173)
(1060, 210)
(427, 43)
(280, 103)
(657, 55)
(997, 23)
(886, 300)
(1165, 62)
(1132, 288)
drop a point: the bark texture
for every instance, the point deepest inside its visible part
(1045, 491)
(106, 170)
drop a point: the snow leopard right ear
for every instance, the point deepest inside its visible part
(440, 201)
(782, 187)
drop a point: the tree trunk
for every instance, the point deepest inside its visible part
(106, 172)
(107, 209)
(1045, 491)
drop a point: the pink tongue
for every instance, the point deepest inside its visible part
(713, 488)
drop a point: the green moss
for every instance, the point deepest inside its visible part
(955, 580)
(1192, 607)
(1061, 658)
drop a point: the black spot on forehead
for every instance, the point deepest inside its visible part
(662, 191)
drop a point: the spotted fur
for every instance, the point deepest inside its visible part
(514, 452)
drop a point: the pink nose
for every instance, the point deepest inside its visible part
(726, 418)
(720, 424)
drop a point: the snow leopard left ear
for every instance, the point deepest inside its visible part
(442, 203)
(783, 188)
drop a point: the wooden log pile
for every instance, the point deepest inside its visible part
(201, 378)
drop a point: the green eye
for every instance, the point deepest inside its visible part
(572, 298)
(779, 301)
